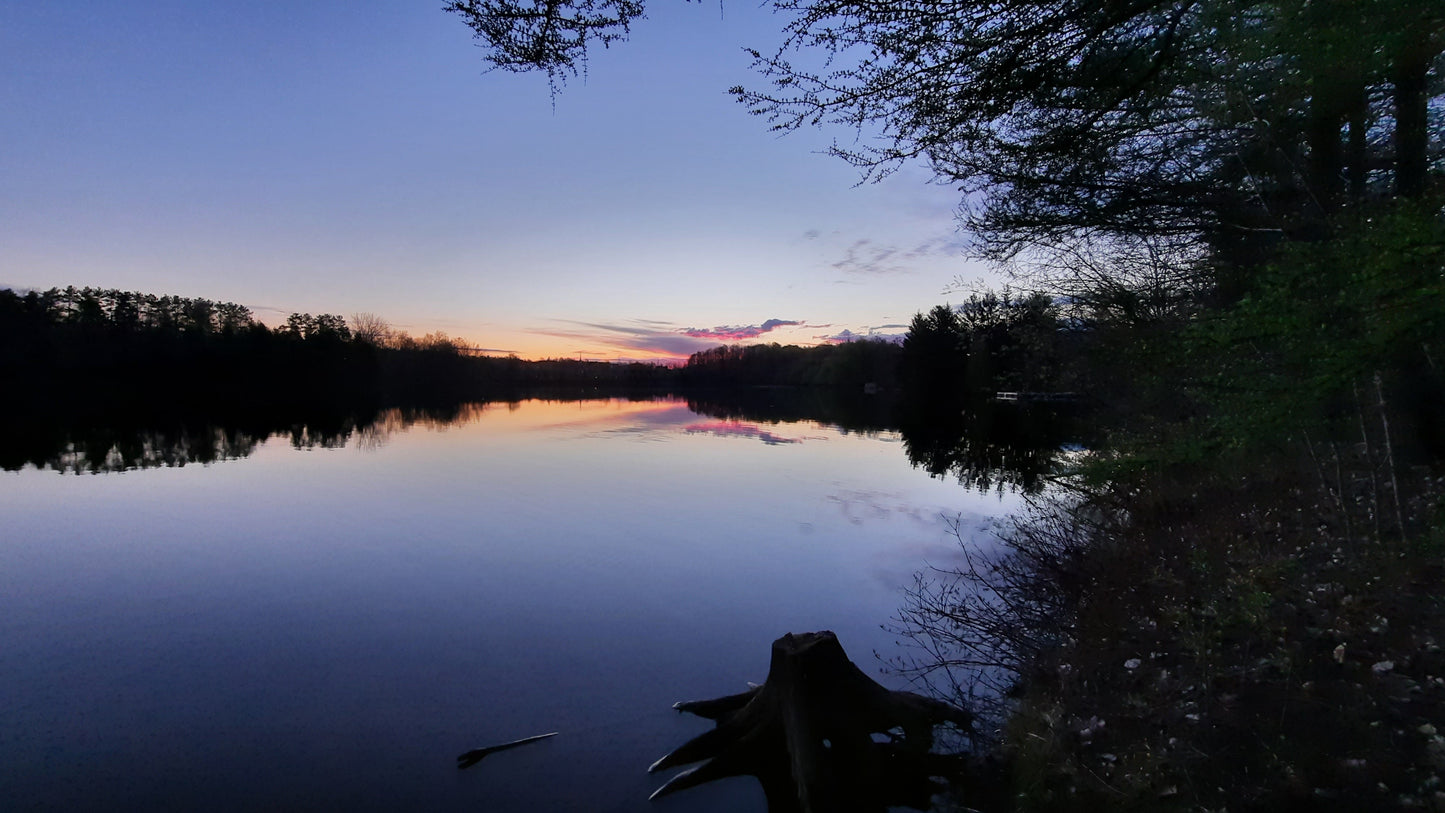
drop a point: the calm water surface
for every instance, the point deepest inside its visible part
(330, 627)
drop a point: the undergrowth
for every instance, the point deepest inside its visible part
(1235, 602)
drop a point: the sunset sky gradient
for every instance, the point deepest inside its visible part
(347, 157)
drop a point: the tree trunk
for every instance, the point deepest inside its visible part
(1326, 158)
(1359, 144)
(807, 735)
(1412, 135)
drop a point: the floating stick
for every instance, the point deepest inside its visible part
(475, 755)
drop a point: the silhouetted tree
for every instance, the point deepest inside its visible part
(370, 329)
(934, 353)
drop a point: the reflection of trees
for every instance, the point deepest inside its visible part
(984, 444)
(89, 442)
(93, 438)
(331, 432)
(852, 412)
(106, 449)
(387, 422)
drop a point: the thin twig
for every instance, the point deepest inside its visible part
(1390, 456)
(1369, 463)
(1340, 484)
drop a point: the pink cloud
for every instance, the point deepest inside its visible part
(738, 333)
(655, 338)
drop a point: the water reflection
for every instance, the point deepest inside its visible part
(87, 443)
(375, 433)
(739, 429)
(776, 405)
(989, 445)
(984, 446)
(110, 448)
(475, 573)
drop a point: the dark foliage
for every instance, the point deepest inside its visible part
(120, 347)
(992, 342)
(849, 366)
(526, 35)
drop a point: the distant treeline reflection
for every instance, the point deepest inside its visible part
(81, 443)
(983, 445)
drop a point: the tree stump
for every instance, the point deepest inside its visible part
(807, 734)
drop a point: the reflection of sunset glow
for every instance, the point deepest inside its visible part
(654, 418)
(605, 414)
(650, 341)
(509, 417)
(738, 429)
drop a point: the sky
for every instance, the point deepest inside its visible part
(349, 156)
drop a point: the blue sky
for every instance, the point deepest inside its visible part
(349, 157)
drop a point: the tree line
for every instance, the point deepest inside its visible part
(102, 346)
(101, 340)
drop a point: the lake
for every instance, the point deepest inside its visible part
(325, 617)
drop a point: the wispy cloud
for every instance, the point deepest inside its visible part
(951, 246)
(887, 333)
(652, 338)
(866, 258)
(738, 333)
(258, 309)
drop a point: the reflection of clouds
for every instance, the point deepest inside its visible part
(651, 426)
(661, 417)
(653, 420)
(738, 429)
(858, 506)
(927, 541)
(659, 424)
(956, 536)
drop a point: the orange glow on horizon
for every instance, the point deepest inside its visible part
(669, 346)
(545, 348)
